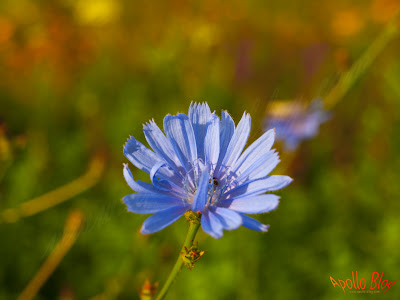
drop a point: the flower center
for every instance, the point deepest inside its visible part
(217, 184)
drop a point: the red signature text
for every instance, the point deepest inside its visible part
(377, 282)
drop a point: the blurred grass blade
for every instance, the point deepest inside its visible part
(71, 230)
(59, 195)
(362, 64)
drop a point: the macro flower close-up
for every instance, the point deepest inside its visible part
(199, 165)
(254, 144)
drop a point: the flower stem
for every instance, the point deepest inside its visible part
(194, 225)
(71, 231)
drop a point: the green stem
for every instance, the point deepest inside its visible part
(192, 231)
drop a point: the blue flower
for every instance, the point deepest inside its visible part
(198, 165)
(294, 123)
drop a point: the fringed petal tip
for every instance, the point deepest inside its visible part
(194, 104)
(253, 224)
(148, 123)
(278, 182)
(130, 144)
(264, 227)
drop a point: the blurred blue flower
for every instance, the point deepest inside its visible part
(198, 165)
(294, 123)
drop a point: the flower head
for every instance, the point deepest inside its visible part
(198, 165)
(294, 122)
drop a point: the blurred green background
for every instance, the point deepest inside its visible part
(77, 77)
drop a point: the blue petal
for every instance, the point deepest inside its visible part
(137, 186)
(253, 224)
(180, 133)
(201, 196)
(237, 143)
(211, 224)
(149, 203)
(227, 128)
(162, 219)
(260, 168)
(140, 156)
(211, 142)
(251, 205)
(199, 115)
(229, 219)
(257, 149)
(161, 145)
(258, 186)
(170, 181)
(277, 182)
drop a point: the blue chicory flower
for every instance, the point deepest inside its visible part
(294, 123)
(198, 165)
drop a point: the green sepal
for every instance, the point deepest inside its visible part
(191, 255)
(193, 217)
